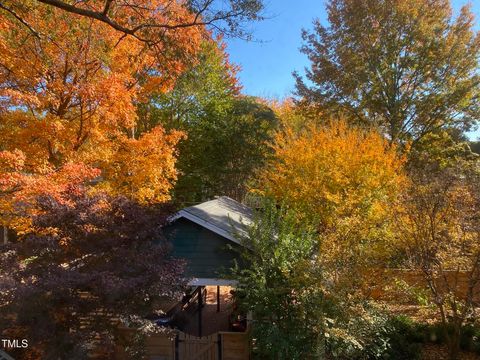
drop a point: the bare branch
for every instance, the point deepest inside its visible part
(107, 6)
(88, 13)
(198, 19)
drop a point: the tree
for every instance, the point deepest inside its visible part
(407, 67)
(438, 225)
(292, 116)
(68, 100)
(227, 134)
(206, 87)
(144, 169)
(275, 288)
(18, 189)
(224, 152)
(150, 21)
(88, 263)
(296, 311)
(344, 180)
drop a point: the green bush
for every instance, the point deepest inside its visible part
(380, 338)
(400, 338)
(470, 338)
(407, 336)
(361, 336)
(404, 338)
(476, 341)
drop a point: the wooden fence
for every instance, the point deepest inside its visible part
(191, 347)
(387, 284)
(235, 346)
(182, 346)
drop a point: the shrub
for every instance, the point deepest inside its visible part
(361, 335)
(404, 338)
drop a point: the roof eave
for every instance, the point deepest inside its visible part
(205, 224)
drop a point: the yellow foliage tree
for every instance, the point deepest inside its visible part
(344, 180)
(296, 116)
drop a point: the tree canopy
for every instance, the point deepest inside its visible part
(343, 180)
(227, 133)
(408, 67)
(152, 21)
(68, 104)
(87, 263)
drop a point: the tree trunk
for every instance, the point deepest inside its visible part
(453, 341)
(4, 235)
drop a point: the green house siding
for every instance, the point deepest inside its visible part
(208, 255)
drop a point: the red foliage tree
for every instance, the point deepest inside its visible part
(89, 262)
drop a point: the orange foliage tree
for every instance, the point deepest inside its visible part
(342, 180)
(69, 93)
(151, 21)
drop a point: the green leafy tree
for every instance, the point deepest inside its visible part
(297, 312)
(227, 133)
(205, 87)
(274, 286)
(224, 151)
(408, 67)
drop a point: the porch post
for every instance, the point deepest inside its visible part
(200, 305)
(177, 341)
(218, 298)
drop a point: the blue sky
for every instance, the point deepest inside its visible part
(267, 63)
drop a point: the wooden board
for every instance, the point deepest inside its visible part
(197, 348)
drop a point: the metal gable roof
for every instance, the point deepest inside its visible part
(223, 215)
(5, 356)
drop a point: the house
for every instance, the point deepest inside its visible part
(5, 356)
(208, 236)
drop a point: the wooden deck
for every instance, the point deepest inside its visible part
(212, 320)
(216, 342)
